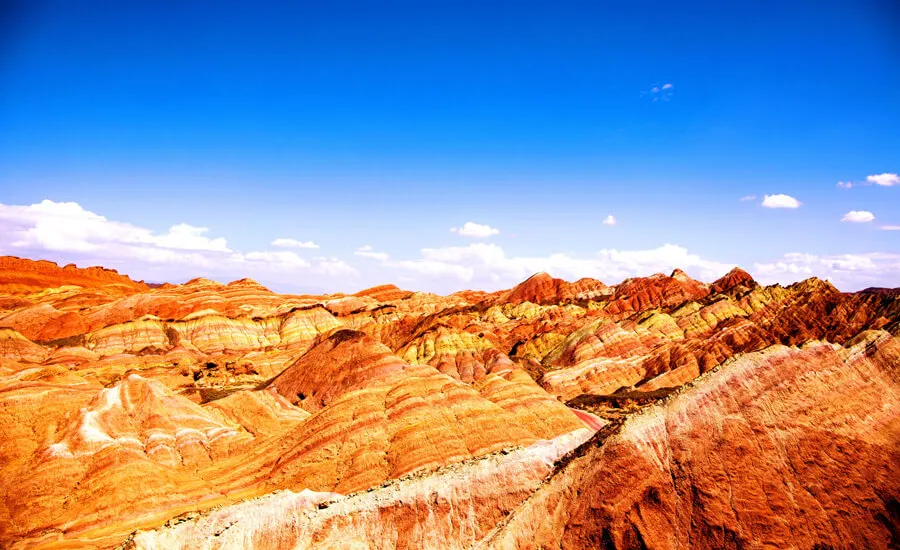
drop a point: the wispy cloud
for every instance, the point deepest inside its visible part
(886, 180)
(366, 251)
(780, 201)
(67, 227)
(846, 271)
(67, 230)
(858, 216)
(610, 220)
(293, 243)
(287, 259)
(746, 198)
(475, 230)
(487, 265)
(660, 92)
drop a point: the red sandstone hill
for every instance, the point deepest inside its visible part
(661, 412)
(735, 280)
(19, 276)
(543, 289)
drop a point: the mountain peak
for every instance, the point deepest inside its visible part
(540, 288)
(737, 277)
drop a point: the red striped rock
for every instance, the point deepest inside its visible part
(786, 448)
(23, 276)
(122, 407)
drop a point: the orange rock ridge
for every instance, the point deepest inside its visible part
(729, 413)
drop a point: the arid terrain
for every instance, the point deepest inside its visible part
(661, 412)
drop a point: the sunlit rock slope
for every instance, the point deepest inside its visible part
(660, 412)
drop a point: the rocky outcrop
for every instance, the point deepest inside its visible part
(377, 417)
(23, 276)
(15, 346)
(135, 447)
(656, 291)
(457, 353)
(384, 293)
(262, 413)
(450, 508)
(785, 448)
(543, 289)
(736, 280)
(226, 415)
(708, 467)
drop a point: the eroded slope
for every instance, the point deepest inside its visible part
(124, 406)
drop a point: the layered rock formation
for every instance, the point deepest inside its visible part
(784, 448)
(661, 412)
(20, 276)
(452, 507)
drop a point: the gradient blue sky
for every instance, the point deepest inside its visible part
(388, 123)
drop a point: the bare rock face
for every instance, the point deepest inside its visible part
(736, 280)
(452, 507)
(21, 276)
(784, 448)
(386, 418)
(455, 352)
(543, 289)
(384, 293)
(346, 360)
(661, 412)
(657, 291)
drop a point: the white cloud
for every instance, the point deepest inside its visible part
(66, 231)
(187, 237)
(483, 265)
(475, 230)
(780, 201)
(478, 252)
(433, 268)
(284, 259)
(746, 198)
(610, 220)
(293, 243)
(660, 92)
(886, 180)
(334, 267)
(846, 271)
(487, 266)
(67, 227)
(366, 251)
(890, 227)
(858, 216)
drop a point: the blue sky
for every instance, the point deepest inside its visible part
(386, 125)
